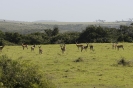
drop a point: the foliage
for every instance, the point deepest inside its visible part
(80, 59)
(21, 74)
(93, 34)
(55, 31)
(123, 62)
(96, 34)
(13, 37)
(96, 70)
(48, 32)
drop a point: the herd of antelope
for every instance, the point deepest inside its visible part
(32, 47)
(63, 47)
(115, 45)
(83, 47)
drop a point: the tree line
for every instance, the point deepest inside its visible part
(91, 34)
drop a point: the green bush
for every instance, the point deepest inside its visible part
(80, 59)
(123, 62)
(21, 74)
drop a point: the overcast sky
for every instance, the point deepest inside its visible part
(66, 10)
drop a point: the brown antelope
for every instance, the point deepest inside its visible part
(32, 48)
(119, 46)
(84, 47)
(40, 50)
(1, 47)
(63, 48)
(24, 46)
(114, 45)
(79, 45)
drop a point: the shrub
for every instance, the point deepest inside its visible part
(123, 62)
(80, 59)
(21, 74)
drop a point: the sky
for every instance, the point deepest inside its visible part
(66, 10)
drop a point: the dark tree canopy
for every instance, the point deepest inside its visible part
(90, 34)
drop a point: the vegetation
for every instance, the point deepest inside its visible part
(123, 62)
(21, 74)
(102, 67)
(76, 69)
(32, 27)
(92, 34)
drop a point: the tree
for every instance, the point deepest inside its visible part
(88, 35)
(131, 24)
(1, 34)
(55, 31)
(1, 38)
(8, 36)
(16, 37)
(48, 32)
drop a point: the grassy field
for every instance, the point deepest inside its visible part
(98, 68)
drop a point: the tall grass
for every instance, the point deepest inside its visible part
(98, 68)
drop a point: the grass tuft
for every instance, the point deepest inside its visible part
(123, 62)
(80, 59)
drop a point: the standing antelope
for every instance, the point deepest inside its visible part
(63, 48)
(84, 47)
(79, 45)
(1, 47)
(24, 46)
(32, 48)
(40, 50)
(114, 46)
(119, 46)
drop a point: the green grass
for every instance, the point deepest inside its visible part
(98, 69)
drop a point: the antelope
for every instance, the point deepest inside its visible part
(24, 46)
(84, 47)
(79, 45)
(114, 45)
(1, 47)
(63, 48)
(40, 50)
(119, 46)
(32, 48)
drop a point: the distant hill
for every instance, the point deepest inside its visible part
(46, 21)
(39, 26)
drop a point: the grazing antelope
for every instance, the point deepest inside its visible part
(84, 47)
(63, 48)
(1, 47)
(40, 50)
(32, 48)
(24, 46)
(120, 46)
(79, 45)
